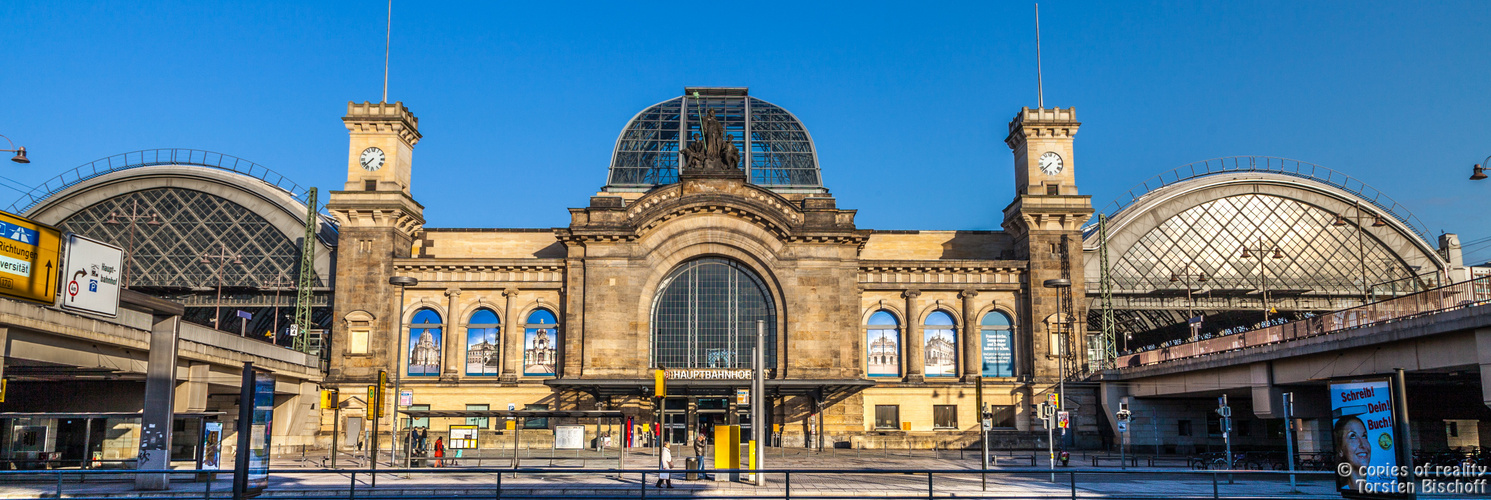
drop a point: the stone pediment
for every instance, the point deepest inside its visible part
(811, 218)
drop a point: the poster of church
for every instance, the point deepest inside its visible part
(885, 354)
(540, 348)
(941, 353)
(424, 351)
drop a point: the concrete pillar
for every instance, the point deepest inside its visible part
(512, 338)
(191, 395)
(1267, 402)
(972, 355)
(1483, 352)
(4, 349)
(160, 388)
(915, 359)
(455, 338)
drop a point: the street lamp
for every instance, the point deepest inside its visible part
(1187, 275)
(1478, 172)
(20, 156)
(1061, 285)
(134, 216)
(1261, 251)
(403, 282)
(222, 258)
(1361, 245)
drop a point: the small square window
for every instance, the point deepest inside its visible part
(479, 422)
(357, 341)
(369, 185)
(1052, 189)
(418, 422)
(536, 423)
(945, 416)
(887, 417)
(1453, 428)
(1004, 416)
(1183, 427)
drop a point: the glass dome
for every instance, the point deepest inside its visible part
(781, 156)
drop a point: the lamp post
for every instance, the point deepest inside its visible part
(20, 152)
(1261, 251)
(1059, 284)
(1186, 275)
(1477, 172)
(1357, 217)
(280, 280)
(222, 259)
(134, 216)
(403, 282)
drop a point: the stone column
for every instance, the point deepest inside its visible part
(512, 338)
(972, 356)
(454, 342)
(915, 359)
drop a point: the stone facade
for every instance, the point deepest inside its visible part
(601, 279)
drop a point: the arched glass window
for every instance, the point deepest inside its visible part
(940, 347)
(705, 313)
(541, 343)
(883, 341)
(998, 345)
(424, 343)
(483, 341)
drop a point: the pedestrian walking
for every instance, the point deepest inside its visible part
(666, 463)
(701, 448)
(440, 452)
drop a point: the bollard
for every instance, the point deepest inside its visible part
(59, 484)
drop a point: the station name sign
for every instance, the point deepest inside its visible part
(708, 373)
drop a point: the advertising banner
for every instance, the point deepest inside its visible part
(29, 259)
(92, 276)
(999, 354)
(1362, 432)
(212, 446)
(262, 426)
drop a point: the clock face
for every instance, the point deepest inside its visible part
(1050, 163)
(371, 159)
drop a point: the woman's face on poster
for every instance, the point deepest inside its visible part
(1354, 445)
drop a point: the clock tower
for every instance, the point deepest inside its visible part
(1045, 221)
(379, 220)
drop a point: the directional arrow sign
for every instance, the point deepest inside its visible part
(29, 253)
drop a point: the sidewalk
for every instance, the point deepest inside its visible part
(1004, 482)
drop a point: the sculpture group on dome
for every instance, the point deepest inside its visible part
(716, 152)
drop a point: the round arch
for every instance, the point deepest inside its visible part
(704, 314)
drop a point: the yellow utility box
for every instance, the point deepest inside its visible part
(726, 450)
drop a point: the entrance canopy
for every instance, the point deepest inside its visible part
(513, 413)
(823, 388)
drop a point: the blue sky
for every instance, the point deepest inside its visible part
(520, 103)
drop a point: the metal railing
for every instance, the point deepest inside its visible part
(1436, 300)
(489, 483)
(154, 157)
(1263, 164)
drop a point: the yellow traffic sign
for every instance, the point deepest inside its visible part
(30, 257)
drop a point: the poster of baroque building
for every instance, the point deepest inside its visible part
(482, 355)
(539, 351)
(884, 354)
(940, 352)
(424, 351)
